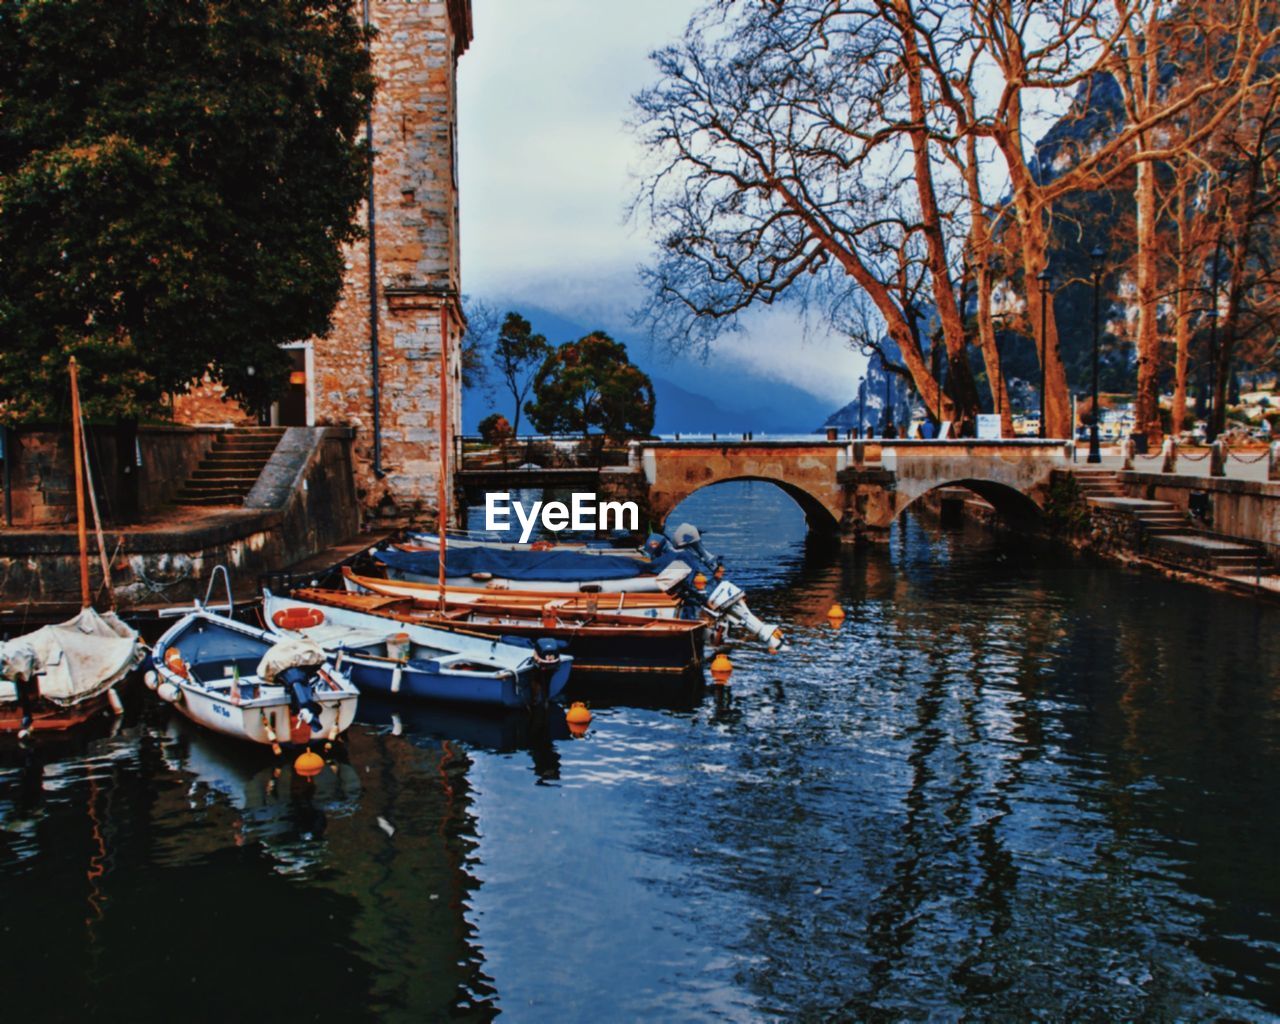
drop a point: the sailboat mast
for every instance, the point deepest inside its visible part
(442, 497)
(78, 455)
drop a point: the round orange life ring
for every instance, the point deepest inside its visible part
(298, 618)
(174, 663)
(541, 545)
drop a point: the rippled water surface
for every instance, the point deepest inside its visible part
(1012, 785)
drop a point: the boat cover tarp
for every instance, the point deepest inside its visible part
(79, 658)
(291, 652)
(559, 566)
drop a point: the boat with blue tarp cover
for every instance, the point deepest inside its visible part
(553, 567)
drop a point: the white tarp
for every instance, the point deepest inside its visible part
(291, 652)
(79, 658)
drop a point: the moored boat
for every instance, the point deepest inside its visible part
(527, 569)
(653, 605)
(245, 682)
(420, 661)
(598, 641)
(60, 676)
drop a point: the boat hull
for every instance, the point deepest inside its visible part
(514, 690)
(48, 718)
(258, 722)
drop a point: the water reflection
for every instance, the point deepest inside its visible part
(1011, 785)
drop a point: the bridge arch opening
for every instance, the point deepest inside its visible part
(1011, 504)
(818, 518)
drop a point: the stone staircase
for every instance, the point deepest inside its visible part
(231, 468)
(1098, 483)
(1170, 535)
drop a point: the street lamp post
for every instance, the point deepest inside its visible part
(888, 396)
(1095, 448)
(1045, 281)
(1211, 426)
(862, 403)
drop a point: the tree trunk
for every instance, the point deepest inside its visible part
(1034, 230)
(963, 390)
(1147, 404)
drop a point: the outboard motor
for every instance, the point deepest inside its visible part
(728, 600)
(292, 663)
(546, 656)
(687, 538)
(300, 684)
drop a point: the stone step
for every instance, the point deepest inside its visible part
(1248, 560)
(220, 480)
(237, 472)
(210, 499)
(265, 447)
(236, 459)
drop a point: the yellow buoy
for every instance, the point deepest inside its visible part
(835, 612)
(699, 581)
(308, 763)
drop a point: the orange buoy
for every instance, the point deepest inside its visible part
(835, 613)
(578, 717)
(308, 763)
(298, 618)
(721, 668)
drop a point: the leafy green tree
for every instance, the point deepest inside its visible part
(177, 180)
(517, 352)
(592, 383)
(495, 428)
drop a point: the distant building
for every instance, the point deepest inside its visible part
(414, 248)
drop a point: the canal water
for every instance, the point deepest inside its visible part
(1013, 784)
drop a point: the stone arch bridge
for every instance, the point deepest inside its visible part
(856, 488)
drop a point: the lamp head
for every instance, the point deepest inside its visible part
(1045, 279)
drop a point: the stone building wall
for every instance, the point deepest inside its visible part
(415, 242)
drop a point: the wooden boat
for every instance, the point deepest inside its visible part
(241, 681)
(650, 605)
(599, 641)
(407, 660)
(526, 569)
(460, 539)
(61, 676)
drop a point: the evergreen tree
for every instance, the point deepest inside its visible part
(177, 180)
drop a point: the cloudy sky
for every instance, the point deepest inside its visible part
(547, 165)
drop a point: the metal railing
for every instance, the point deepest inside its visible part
(472, 452)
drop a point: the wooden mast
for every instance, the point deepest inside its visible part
(78, 455)
(442, 496)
